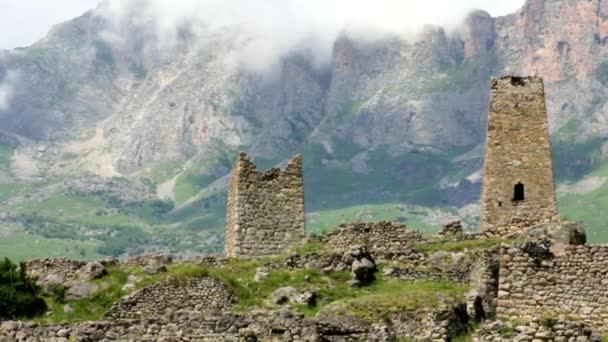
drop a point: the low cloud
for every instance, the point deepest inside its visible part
(7, 89)
(269, 29)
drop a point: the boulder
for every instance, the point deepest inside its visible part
(364, 270)
(92, 270)
(362, 264)
(283, 295)
(260, 273)
(155, 269)
(288, 294)
(110, 261)
(77, 290)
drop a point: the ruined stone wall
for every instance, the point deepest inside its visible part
(184, 325)
(533, 282)
(195, 294)
(518, 151)
(378, 236)
(537, 330)
(265, 209)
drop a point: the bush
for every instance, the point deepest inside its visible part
(19, 294)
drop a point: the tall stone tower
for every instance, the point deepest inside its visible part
(265, 212)
(518, 186)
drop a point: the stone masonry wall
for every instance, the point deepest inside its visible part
(533, 282)
(538, 330)
(194, 294)
(518, 151)
(265, 209)
(378, 236)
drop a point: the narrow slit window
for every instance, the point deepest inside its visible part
(518, 193)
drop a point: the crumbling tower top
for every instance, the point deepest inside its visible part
(518, 187)
(265, 213)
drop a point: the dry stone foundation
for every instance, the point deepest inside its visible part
(265, 212)
(185, 325)
(534, 282)
(378, 236)
(538, 330)
(202, 293)
(518, 184)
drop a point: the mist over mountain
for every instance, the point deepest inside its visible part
(137, 101)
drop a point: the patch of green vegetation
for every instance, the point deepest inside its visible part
(191, 181)
(163, 171)
(458, 246)
(35, 53)
(19, 293)
(572, 158)
(93, 308)
(139, 70)
(588, 207)
(23, 246)
(104, 54)
(329, 219)
(313, 246)
(351, 109)
(67, 156)
(7, 151)
(331, 187)
(64, 205)
(461, 74)
(9, 190)
(384, 297)
(118, 239)
(197, 176)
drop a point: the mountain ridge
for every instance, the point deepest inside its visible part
(390, 122)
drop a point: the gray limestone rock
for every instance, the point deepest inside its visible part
(92, 270)
(78, 290)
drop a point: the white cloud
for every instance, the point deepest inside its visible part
(23, 22)
(272, 28)
(7, 89)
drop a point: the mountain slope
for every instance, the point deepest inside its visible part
(388, 123)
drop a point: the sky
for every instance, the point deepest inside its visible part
(22, 22)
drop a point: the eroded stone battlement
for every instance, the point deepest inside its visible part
(518, 183)
(265, 209)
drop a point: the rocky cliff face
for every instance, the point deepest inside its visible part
(423, 100)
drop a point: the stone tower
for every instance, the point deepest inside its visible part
(265, 212)
(518, 188)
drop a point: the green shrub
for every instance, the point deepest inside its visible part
(58, 293)
(19, 294)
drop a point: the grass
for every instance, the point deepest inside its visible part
(93, 308)
(459, 246)
(589, 207)
(23, 246)
(7, 151)
(9, 190)
(63, 205)
(329, 219)
(310, 247)
(372, 302)
(392, 296)
(191, 181)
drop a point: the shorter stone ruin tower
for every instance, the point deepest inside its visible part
(518, 187)
(265, 213)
